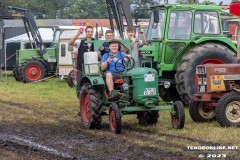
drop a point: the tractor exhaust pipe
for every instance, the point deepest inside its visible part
(238, 41)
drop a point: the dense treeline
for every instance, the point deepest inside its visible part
(85, 9)
(75, 9)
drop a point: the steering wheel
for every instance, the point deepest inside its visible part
(126, 63)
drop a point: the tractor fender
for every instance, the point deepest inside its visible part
(224, 41)
(94, 81)
(100, 85)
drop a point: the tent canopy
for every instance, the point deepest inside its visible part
(46, 34)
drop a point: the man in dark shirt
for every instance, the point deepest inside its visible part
(82, 47)
(109, 35)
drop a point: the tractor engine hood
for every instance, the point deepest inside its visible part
(136, 72)
(145, 86)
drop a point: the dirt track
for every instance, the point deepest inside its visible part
(68, 140)
(45, 141)
(49, 142)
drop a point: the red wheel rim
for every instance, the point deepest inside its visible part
(208, 61)
(112, 119)
(33, 72)
(86, 108)
(73, 74)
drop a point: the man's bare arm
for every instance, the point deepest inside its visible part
(72, 42)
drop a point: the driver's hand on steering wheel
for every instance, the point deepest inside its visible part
(127, 57)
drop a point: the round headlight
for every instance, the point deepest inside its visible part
(95, 81)
(125, 86)
(167, 84)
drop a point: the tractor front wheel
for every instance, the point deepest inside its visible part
(16, 74)
(32, 70)
(90, 107)
(201, 112)
(178, 118)
(208, 53)
(72, 78)
(115, 118)
(228, 110)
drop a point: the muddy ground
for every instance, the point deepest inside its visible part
(69, 140)
(49, 142)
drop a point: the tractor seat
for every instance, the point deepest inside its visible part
(118, 81)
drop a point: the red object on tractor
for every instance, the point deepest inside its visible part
(235, 8)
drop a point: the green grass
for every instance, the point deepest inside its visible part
(53, 102)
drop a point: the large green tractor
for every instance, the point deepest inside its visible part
(32, 66)
(33, 61)
(137, 93)
(180, 37)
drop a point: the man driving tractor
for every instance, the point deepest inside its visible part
(110, 68)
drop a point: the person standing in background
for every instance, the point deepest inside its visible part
(82, 48)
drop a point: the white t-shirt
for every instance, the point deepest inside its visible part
(79, 42)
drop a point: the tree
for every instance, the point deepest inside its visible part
(138, 6)
(89, 9)
(208, 2)
(16, 3)
(75, 9)
(187, 1)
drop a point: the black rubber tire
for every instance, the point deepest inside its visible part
(71, 82)
(186, 69)
(95, 102)
(148, 118)
(115, 121)
(221, 110)
(178, 120)
(16, 74)
(30, 63)
(200, 114)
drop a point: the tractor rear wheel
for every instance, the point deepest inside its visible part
(148, 118)
(228, 110)
(200, 112)
(178, 119)
(72, 79)
(115, 118)
(208, 53)
(90, 107)
(32, 70)
(16, 74)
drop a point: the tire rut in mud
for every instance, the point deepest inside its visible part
(31, 152)
(80, 143)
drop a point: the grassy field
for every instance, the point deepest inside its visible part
(53, 102)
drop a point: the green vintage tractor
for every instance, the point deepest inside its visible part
(180, 37)
(137, 93)
(31, 66)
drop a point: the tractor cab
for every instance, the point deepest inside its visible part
(179, 37)
(173, 27)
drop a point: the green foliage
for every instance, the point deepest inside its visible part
(208, 2)
(195, 2)
(137, 7)
(88, 9)
(187, 1)
(75, 9)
